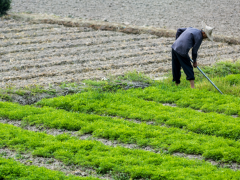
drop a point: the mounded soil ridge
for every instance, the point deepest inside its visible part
(102, 25)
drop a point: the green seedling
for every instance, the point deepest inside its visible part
(10, 169)
(158, 137)
(132, 162)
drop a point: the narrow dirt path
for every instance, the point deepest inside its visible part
(50, 163)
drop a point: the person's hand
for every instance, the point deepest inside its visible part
(195, 64)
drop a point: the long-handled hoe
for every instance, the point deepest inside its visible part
(207, 77)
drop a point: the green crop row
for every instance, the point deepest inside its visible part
(221, 69)
(233, 79)
(225, 76)
(132, 162)
(206, 101)
(124, 104)
(228, 85)
(159, 137)
(12, 170)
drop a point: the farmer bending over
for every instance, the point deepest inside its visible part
(187, 38)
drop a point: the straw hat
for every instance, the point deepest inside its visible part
(208, 30)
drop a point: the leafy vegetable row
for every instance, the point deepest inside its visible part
(159, 137)
(233, 79)
(133, 163)
(12, 170)
(124, 104)
(206, 101)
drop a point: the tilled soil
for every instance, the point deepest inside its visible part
(172, 14)
(46, 54)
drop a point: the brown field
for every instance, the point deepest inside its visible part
(46, 54)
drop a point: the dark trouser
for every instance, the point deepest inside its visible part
(179, 61)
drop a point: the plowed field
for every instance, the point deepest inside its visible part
(50, 54)
(44, 53)
(172, 14)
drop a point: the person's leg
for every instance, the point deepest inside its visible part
(176, 68)
(192, 83)
(187, 68)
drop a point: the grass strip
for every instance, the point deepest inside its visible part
(12, 170)
(128, 104)
(134, 163)
(159, 137)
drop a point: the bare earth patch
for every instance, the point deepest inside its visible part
(171, 14)
(47, 54)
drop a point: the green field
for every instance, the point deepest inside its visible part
(199, 122)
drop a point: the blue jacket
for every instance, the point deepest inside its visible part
(187, 38)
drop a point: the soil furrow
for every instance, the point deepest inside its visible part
(76, 60)
(11, 22)
(92, 75)
(74, 43)
(72, 69)
(113, 143)
(154, 70)
(45, 52)
(23, 26)
(234, 56)
(76, 53)
(87, 54)
(88, 60)
(79, 74)
(44, 32)
(22, 29)
(50, 163)
(85, 59)
(94, 49)
(222, 50)
(59, 39)
(111, 46)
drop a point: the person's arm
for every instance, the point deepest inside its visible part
(179, 32)
(195, 64)
(197, 44)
